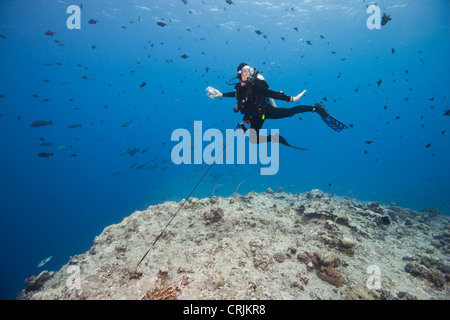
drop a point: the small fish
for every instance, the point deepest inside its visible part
(40, 123)
(447, 112)
(92, 21)
(49, 33)
(73, 155)
(428, 145)
(392, 50)
(84, 77)
(258, 32)
(296, 29)
(2, 36)
(142, 84)
(46, 144)
(368, 141)
(161, 24)
(2, 95)
(385, 19)
(43, 262)
(184, 56)
(379, 82)
(184, 1)
(45, 154)
(309, 42)
(126, 124)
(74, 125)
(63, 148)
(229, 2)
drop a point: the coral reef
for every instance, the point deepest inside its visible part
(269, 245)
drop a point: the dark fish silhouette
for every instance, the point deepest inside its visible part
(161, 24)
(258, 32)
(184, 56)
(92, 21)
(40, 123)
(368, 142)
(2, 36)
(296, 29)
(2, 95)
(447, 112)
(309, 42)
(74, 125)
(385, 19)
(229, 2)
(428, 145)
(49, 33)
(142, 84)
(46, 144)
(379, 82)
(45, 154)
(184, 1)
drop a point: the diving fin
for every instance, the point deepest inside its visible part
(334, 124)
(283, 141)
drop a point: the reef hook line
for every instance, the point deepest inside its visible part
(182, 204)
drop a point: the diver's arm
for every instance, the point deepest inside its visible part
(278, 95)
(281, 96)
(214, 93)
(228, 94)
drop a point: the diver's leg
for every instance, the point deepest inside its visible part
(279, 113)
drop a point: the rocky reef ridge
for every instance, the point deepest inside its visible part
(271, 245)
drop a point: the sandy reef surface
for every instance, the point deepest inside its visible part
(269, 245)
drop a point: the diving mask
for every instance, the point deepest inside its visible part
(247, 70)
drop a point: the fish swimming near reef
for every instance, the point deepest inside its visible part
(385, 19)
(45, 154)
(74, 125)
(40, 123)
(63, 148)
(43, 262)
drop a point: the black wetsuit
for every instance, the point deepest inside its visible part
(252, 102)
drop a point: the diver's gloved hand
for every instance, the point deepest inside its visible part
(297, 97)
(212, 93)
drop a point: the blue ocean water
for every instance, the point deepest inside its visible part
(396, 151)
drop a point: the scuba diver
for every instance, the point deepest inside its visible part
(255, 102)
